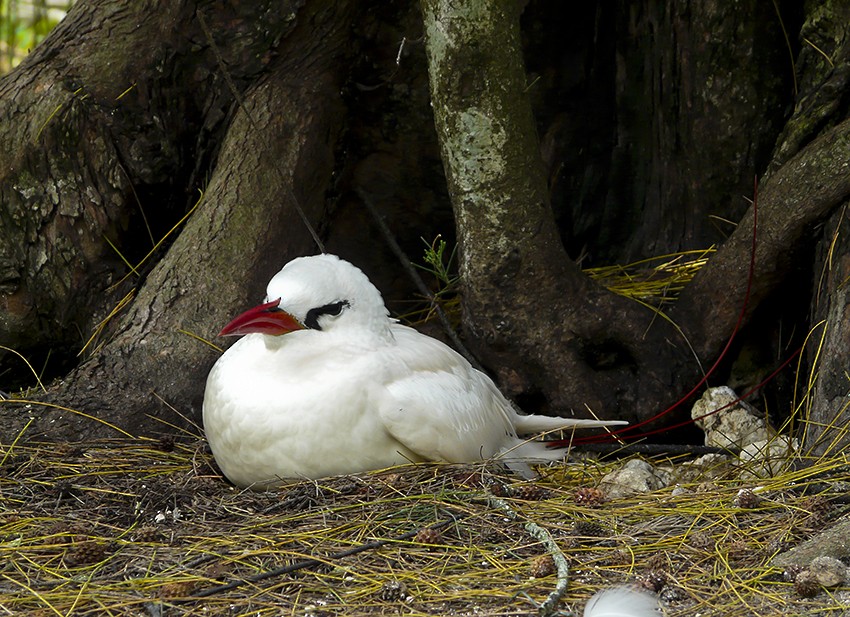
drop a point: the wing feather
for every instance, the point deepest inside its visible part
(439, 406)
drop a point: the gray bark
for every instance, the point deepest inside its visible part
(524, 299)
(278, 152)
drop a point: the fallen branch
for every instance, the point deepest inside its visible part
(562, 568)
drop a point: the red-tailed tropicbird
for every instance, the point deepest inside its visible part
(324, 383)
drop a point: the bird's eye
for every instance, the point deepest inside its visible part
(334, 308)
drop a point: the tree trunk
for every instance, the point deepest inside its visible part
(823, 103)
(827, 431)
(524, 299)
(666, 111)
(104, 135)
(654, 119)
(277, 155)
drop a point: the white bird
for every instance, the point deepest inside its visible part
(325, 383)
(622, 602)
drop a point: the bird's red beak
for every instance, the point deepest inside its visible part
(265, 319)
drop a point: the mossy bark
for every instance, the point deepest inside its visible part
(277, 155)
(106, 134)
(523, 298)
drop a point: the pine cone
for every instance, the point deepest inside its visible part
(64, 489)
(179, 589)
(747, 499)
(67, 533)
(655, 581)
(700, 540)
(619, 557)
(466, 478)
(148, 533)
(529, 492)
(589, 528)
(542, 565)
(586, 496)
(498, 489)
(393, 591)
(166, 443)
(85, 553)
(806, 585)
(429, 535)
(819, 507)
(657, 561)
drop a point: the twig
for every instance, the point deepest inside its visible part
(417, 280)
(652, 449)
(562, 568)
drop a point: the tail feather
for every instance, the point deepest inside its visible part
(526, 425)
(522, 454)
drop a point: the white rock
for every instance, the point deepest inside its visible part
(736, 425)
(705, 467)
(768, 457)
(829, 571)
(635, 477)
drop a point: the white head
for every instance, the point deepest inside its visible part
(321, 292)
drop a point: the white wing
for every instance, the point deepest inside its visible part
(439, 406)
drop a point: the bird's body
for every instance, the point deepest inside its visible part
(331, 385)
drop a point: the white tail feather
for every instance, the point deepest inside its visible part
(527, 425)
(518, 458)
(622, 602)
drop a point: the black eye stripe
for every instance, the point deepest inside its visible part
(334, 308)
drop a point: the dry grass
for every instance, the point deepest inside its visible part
(147, 528)
(657, 280)
(140, 527)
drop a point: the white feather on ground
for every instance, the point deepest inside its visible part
(622, 602)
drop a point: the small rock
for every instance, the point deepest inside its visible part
(635, 477)
(705, 467)
(679, 490)
(828, 571)
(735, 426)
(768, 457)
